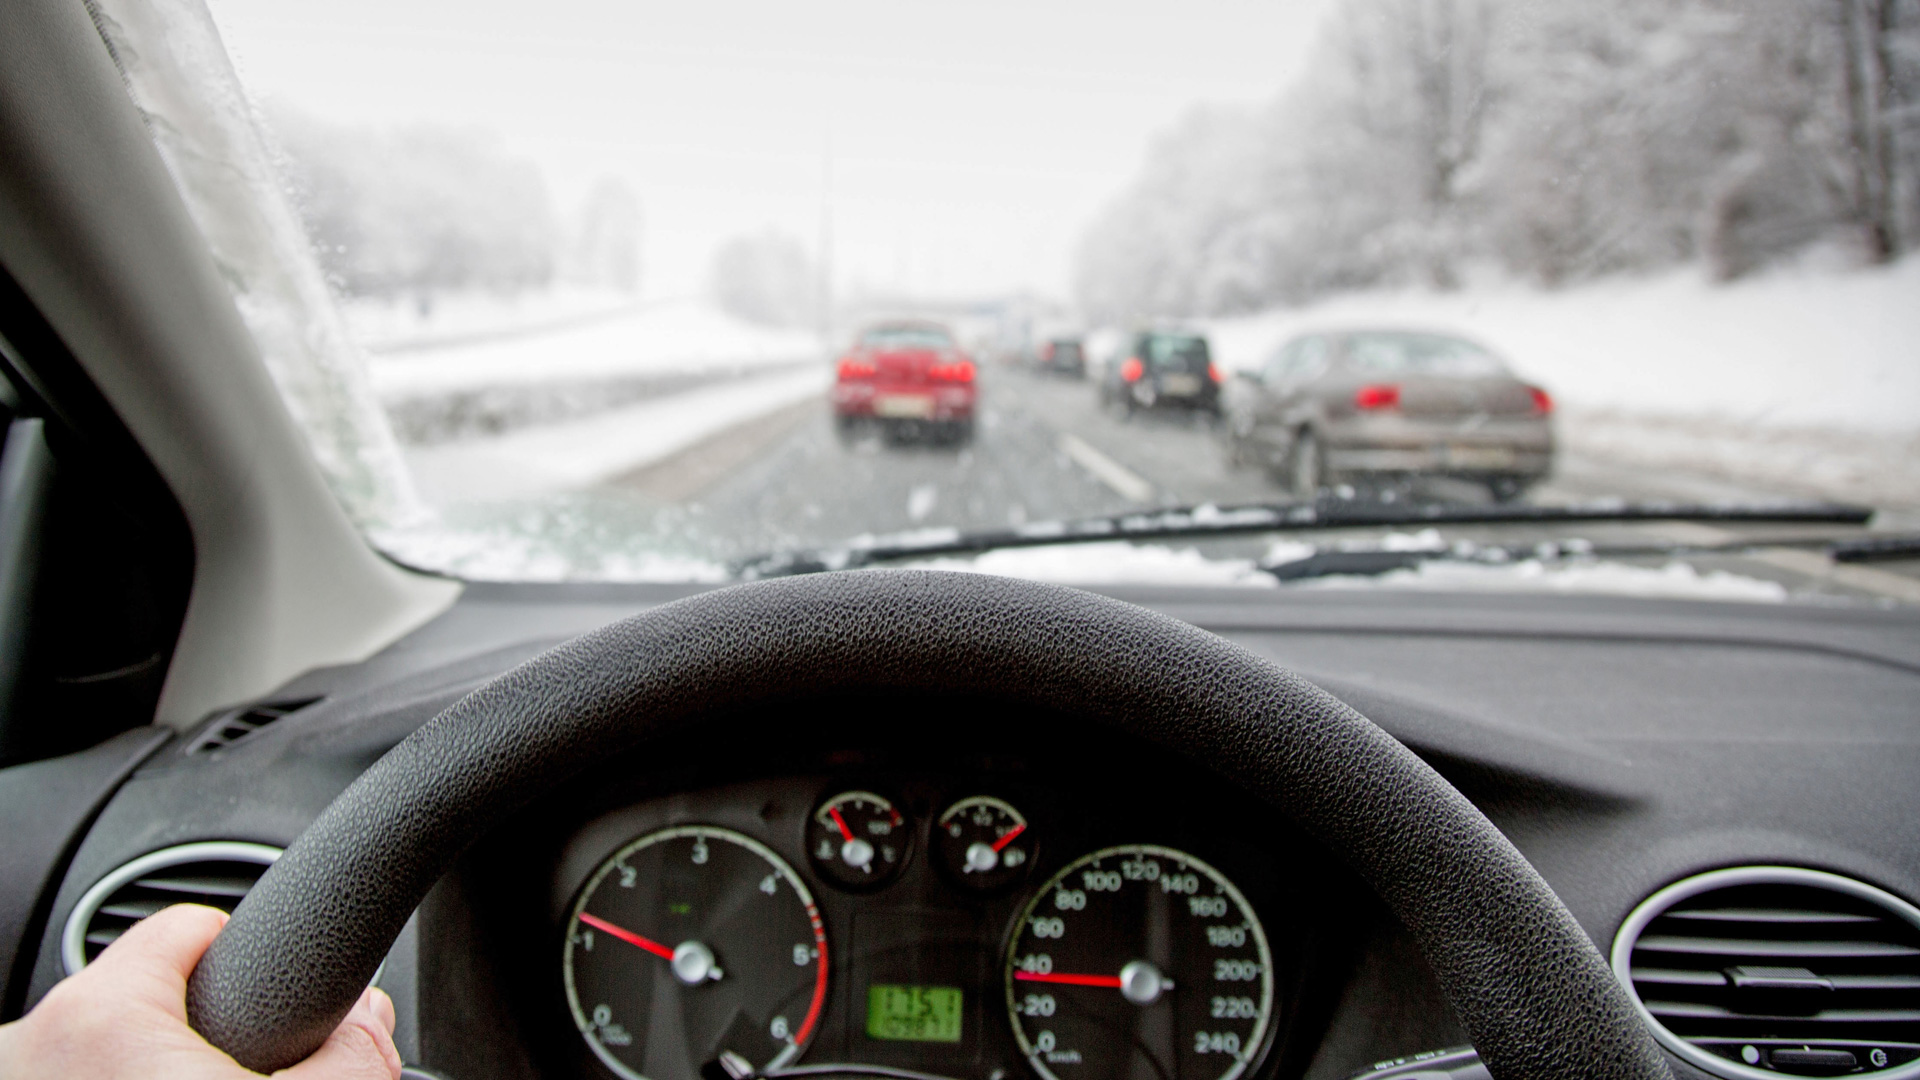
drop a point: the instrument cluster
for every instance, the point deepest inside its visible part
(929, 927)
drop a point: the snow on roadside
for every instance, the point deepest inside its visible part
(406, 322)
(666, 338)
(1797, 348)
(1119, 562)
(579, 453)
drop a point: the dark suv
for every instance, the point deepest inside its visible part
(1157, 369)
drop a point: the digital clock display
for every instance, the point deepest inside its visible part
(913, 1013)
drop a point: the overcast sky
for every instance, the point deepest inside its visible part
(969, 142)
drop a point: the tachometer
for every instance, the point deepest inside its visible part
(1140, 961)
(690, 943)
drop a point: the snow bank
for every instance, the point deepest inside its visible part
(1796, 348)
(667, 338)
(408, 323)
(580, 453)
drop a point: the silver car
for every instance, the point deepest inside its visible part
(1389, 405)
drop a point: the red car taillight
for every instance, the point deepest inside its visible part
(852, 367)
(1213, 372)
(960, 371)
(1542, 403)
(1131, 369)
(1377, 396)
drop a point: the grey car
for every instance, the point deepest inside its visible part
(1370, 405)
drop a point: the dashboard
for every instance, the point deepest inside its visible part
(898, 886)
(1056, 910)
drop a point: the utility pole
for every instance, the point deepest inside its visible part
(826, 238)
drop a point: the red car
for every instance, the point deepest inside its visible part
(910, 378)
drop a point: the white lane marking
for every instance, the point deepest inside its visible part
(1121, 479)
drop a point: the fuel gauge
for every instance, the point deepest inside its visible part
(857, 840)
(983, 842)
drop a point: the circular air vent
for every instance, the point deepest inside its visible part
(1762, 971)
(217, 874)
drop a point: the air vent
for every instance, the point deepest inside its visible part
(1763, 971)
(217, 874)
(231, 727)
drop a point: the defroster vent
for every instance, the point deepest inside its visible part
(216, 873)
(1761, 971)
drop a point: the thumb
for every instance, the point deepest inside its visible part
(361, 1048)
(154, 957)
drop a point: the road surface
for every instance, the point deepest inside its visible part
(1044, 450)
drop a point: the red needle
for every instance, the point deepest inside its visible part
(1112, 982)
(840, 821)
(632, 938)
(1007, 837)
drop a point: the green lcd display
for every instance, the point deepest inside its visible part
(913, 1013)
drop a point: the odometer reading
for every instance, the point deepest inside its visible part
(1140, 961)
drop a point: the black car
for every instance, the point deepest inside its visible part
(1159, 369)
(1061, 356)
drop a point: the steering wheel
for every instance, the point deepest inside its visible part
(1527, 984)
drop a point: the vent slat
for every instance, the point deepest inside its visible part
(1677, 977)
(105, 935)
(1786, 916)
(223, 885)
(1694, 1010)
(133, 909)
(1710, 946)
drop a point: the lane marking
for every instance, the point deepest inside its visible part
(1121, 479)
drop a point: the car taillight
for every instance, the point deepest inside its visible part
(1377, 396)
(959, 371)
(1131, 369)
(1542, 403)
(852, 367)
(1213, 372)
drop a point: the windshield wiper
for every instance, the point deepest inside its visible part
(1374, 561)
(1328, 513)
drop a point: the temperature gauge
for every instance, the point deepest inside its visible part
(983, 842)
(857, 839)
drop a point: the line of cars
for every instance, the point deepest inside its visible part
(1326, 407)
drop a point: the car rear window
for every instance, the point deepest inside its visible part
(1419, 354)
(907, 337)
(1066, 350)
(1176, 352)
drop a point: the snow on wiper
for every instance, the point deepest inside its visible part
(1327, 513)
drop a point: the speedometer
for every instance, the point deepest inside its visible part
(1140, 961)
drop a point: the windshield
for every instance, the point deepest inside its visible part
(656, 292)
(907, 337)
(1419, 354)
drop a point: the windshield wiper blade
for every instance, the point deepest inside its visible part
(1372, 562)
(1212, 520)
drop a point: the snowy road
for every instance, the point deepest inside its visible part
(1044, 450)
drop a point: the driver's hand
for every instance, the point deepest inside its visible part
(125, 1015)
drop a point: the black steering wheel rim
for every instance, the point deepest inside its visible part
(1528, 985)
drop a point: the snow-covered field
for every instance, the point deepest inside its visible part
(1805, 378)
(649, 341)
(579, 453)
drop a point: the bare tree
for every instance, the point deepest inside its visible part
(1880, 110)
(1422, 84)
